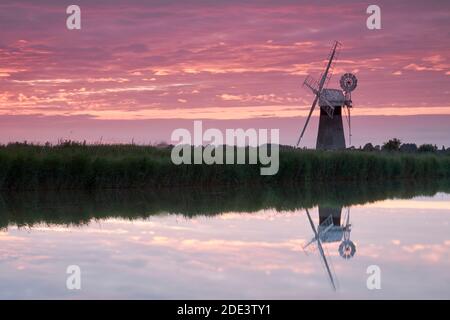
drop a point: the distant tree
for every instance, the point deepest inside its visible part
(368, 147)
(162, 145)
(377, 147)
(408, 147)
(392, 145)
(427, 148)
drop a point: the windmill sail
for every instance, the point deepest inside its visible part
(317, 88)
(327, 74)
(332, 58)
(307, 119)
(322, 253)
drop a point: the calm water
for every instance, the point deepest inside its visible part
(232, 255)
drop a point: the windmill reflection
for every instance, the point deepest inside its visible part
(331, 230)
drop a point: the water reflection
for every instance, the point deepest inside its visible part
(219, 244)
(78, 208)
(330, 230)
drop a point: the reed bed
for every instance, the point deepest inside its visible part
(70, 166)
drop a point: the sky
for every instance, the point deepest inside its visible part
(137, 70)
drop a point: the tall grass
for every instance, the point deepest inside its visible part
(94, 167)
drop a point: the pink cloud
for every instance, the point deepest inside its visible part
(130, 61)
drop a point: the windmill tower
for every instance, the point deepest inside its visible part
(332, 103)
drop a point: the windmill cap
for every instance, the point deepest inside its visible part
(334, 96)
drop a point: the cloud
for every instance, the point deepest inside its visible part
(129, 60)
(262, 98)
(437, 58)
(416, 67)
(230, 97)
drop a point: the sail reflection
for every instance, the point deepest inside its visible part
(331, 230)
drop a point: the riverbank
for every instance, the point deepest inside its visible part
(96, 167)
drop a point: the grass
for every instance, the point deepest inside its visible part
(74, 166)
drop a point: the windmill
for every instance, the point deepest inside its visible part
(330, 230)
(331, 103)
